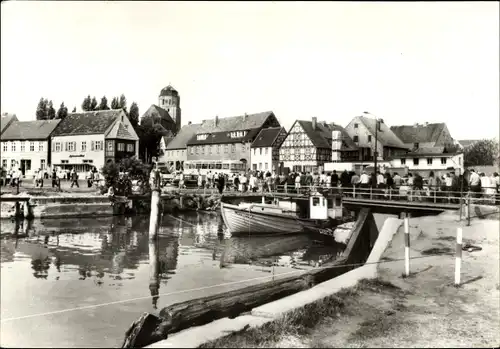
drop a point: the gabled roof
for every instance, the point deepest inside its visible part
(235, 123)
(267, 137)
(223, 137)
(6, 120)
(385, 136)
(322, 136)
(87, 123)
(156, 111)
(121, 130)
(182, 138)
(25, 130)
(428, 133)
(167, 140)
(467, 142)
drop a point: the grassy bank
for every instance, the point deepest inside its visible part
(424, 310)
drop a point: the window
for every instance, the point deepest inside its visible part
(260, 165)
(23, 146)
(355, 125)
(415, 145)
(201, 137)
(121, 146)
(243, 147)
(70, 146)
(403, 161)
(40, 146)
(265, 166)
(84, 146)
(429, 161)
(254, 151)
(13, 146)
(99, 145)
(109, 145)
(177, 153)
(4, 163)
(57, 146)
(12, 163)
(4, 146)
(32, 146)
(355, 138)
(42, 164)
(64, 161)
(209, 149)
(218, 149)
(197, 149)
(443, 161)
(233, 148)
(369, 138)
(226, 148)
(254, 167)
(130, 148)
(192, 150)
(415, 161)
(88, 161)
(266, 151)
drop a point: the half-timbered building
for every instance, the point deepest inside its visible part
(308, 145)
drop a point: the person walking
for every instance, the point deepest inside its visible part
(474, 183)
(90, 178)
(221, 183)
(74, 178)
(39, 176)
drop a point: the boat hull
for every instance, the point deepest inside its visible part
(247, 221)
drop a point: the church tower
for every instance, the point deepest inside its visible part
(170, 100)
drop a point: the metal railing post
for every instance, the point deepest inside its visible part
(371, 193)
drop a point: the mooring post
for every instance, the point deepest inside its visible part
(458, 257)
(154, 218)
(407, 246)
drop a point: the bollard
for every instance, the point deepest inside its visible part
(154, 219)
(407, 246)
(458, 259)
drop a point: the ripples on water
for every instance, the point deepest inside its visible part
(108, 259)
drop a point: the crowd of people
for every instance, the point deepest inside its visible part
(410, 185)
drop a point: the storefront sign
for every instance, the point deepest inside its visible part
(77, 156)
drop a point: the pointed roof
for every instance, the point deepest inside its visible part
(158, 112)
(183, 136)
(322, 136)
(427, 133)
(385, 136)
(235, 123)
(86, 123)
(6, 120)
(25, 130)
(267, 137)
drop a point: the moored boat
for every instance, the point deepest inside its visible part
(282, 215)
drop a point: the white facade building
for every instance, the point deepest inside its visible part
(430, 162)
(91, 139)
(26, 145)
(264, 151)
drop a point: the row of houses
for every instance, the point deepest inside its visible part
(81, 141)
(251, 141)
(258, 142)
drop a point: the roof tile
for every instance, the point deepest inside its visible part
(428, 133)
(86, 123)
(182, 138)
(36, 129)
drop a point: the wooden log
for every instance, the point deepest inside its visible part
(142, 332)
(200, 311)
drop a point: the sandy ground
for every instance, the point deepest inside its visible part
(423, 310)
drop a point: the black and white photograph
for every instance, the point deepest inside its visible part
(329, 178)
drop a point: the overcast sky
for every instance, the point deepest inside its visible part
(405, 62)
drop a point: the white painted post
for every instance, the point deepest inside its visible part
(154, 218)
(458, 259)
(407, 246)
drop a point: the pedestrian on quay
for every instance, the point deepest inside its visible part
(221, 183)
(334, 179)
(474, 183)
(74, 178)
(39, 177)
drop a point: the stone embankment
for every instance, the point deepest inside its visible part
(92, 205)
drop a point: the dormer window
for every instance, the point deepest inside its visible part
(238, 134)
(201, 137)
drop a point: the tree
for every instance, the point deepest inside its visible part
(41, 109)
(104, 104)
(150, 134)
(481, 153)
(62, 112)
(134, 114)
(86, 104)
(93, 104)
(115, 104)
(123, 103)
(74, 110)
(51, 112)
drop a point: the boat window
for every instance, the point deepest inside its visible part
(315, 201)
(330, 203)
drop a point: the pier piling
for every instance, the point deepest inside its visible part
(154, 220)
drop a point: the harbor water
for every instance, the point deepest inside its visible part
(82, 282)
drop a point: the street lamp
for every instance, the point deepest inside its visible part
(375, 153)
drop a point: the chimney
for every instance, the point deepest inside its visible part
(216, 120)
(314, 121)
